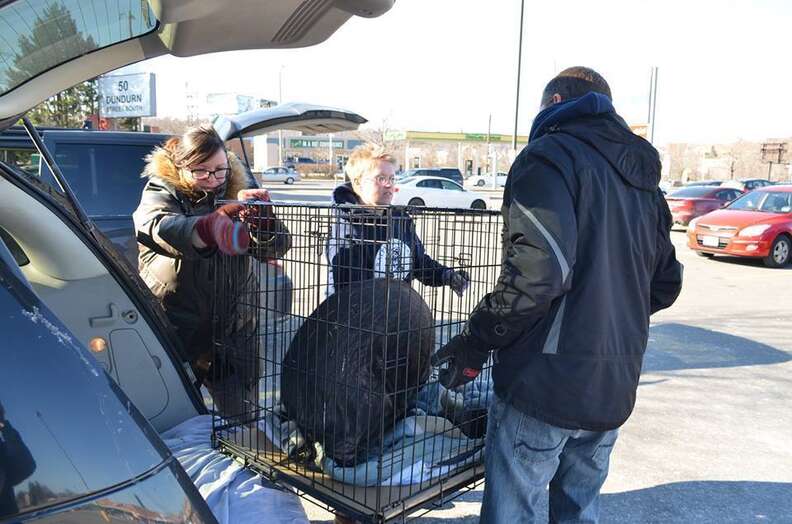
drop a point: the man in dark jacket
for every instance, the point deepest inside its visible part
(587, 260)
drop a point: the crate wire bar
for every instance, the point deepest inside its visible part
(337, 338)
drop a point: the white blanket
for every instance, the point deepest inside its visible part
(235, 495)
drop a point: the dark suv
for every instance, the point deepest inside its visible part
(102, 168)
(445, 172)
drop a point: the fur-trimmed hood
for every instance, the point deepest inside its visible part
(160, 166)
(345, 194)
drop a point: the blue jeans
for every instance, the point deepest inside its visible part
(524, 455)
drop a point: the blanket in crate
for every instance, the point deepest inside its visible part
(418, 449)
(234, 494)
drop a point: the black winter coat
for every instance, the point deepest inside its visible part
(587, 260)
(180, 275)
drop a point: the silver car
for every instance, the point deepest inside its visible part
(279, 174)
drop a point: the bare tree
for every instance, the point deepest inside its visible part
(745, 160)
(168, 125)
(376, 134)
(684, 161)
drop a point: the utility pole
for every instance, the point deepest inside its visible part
(650, 119)
(490, 152)
(332, 164)
(280, 101)
(519, 66)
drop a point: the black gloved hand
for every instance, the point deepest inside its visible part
(465, 359)
(457, 280)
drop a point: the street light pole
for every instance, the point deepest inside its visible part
(519, 66)
(652, 104)
(280, 101)
(332, 154)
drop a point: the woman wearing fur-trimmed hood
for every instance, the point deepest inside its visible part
(182, 235)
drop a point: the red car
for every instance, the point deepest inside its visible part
(691, 202)
(758, 224)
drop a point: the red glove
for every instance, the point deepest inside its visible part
(218, 230)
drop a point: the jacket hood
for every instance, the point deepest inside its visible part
(344, 194)
(592, 119)
(160, 166)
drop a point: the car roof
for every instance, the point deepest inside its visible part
(174, 27)
(705, 191)
(60, 134)
(776, 189)
(419, 178)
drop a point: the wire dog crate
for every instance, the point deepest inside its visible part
(327, 353)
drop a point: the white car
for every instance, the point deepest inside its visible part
(486, 180)
(433, 191)
(279, 174)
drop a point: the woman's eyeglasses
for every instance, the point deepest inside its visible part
(203, 174)
(382, 180)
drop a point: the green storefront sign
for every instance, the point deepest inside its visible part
(300, 143)
(476, 137)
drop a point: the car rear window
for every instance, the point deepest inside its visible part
(37, 35)
(105, 178)
(691, 192)
(430, 184)
(25, 160)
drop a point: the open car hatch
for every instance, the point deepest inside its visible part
(307, 118)
(50, 46)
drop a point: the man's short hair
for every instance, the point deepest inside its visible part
(364, 158)
(575, 82)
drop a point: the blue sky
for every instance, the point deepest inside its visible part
(446, 65)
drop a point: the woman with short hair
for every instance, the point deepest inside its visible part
(373, 243)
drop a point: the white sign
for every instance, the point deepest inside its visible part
(124, 96)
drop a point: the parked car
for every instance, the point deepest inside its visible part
(703, 183)
(451, 173)
(748, 184)
(435, 191)
(486, 180)
(758, 225)
(102, 168)
(693, 201)
(293, 161)
(279, 174)
(89, 419)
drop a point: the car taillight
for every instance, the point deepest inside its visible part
(680, 204)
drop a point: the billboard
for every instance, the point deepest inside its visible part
(124, 96)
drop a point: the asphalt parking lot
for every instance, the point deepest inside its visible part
(709, 440)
